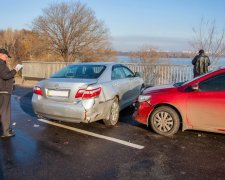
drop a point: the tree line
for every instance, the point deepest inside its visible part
(70, 32)
(66, 32)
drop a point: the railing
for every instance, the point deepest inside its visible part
(41, 70)
(153, 74)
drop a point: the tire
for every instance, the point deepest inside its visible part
(114, 114)
(165, 121)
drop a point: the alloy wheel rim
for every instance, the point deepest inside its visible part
(163, 121)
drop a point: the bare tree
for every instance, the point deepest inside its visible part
(29, 46)
(72, 31)
(150, 56)
(8, 40)
(146, 55)
(208, 37)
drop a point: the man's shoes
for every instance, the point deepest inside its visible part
(9, 134)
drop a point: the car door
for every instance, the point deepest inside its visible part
(205, 108)
(121, 84)
(135, 84)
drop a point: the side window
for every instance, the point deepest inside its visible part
(216, 83)
(117, 73)
(128, 72)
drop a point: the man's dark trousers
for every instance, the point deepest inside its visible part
(5, 112)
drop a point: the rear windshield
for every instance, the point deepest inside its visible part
(80, 71)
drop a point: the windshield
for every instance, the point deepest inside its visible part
(179, 84)
(80, 71)
(186, 82)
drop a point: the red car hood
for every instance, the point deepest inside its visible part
(160, 89)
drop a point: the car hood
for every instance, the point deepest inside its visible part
(160, 89)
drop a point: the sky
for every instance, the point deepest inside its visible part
(132, 24)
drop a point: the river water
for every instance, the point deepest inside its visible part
(171, 61)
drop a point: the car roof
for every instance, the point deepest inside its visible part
(208, 74)
(216, 71)
(220, 69)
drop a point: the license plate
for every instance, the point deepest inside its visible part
(58, 93)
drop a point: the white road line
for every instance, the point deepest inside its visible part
(93, 134)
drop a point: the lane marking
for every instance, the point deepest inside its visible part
(93, 134)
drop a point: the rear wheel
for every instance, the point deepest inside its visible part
(114, 114)
(165, 121)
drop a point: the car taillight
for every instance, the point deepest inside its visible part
(88, 93)
(37, 90)
(80, 93)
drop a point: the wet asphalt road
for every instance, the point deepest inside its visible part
(42, 151)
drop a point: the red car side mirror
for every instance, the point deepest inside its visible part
(195, 87)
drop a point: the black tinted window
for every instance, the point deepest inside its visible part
(80, 71)
(216, 83)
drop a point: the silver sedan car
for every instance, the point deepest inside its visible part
(87, 92)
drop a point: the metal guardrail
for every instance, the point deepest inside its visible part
(156, 74)
(42, 70)
(153, 74)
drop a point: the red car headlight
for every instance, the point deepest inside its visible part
(143, 98)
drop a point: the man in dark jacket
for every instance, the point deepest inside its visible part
(201, 63)
(6, 86)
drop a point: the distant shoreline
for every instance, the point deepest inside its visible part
(170, 54)
(171, 61)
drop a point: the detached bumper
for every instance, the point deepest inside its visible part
(142, 112)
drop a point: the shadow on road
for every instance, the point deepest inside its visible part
(25, 104)
(24, 94)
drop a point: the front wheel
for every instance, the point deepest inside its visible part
(165, 121)
(114, 114)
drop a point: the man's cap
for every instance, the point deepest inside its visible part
(4, 51)
(201, 51)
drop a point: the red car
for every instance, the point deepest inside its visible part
(198, 104)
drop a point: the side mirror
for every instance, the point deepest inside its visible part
(194, 87)
(137, 74)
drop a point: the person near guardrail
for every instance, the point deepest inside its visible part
(201, 63)
(6, 87)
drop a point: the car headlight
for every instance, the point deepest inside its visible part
(143, 98)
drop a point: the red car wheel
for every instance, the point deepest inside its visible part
(165, 121)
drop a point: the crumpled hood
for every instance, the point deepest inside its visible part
(159, 89)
